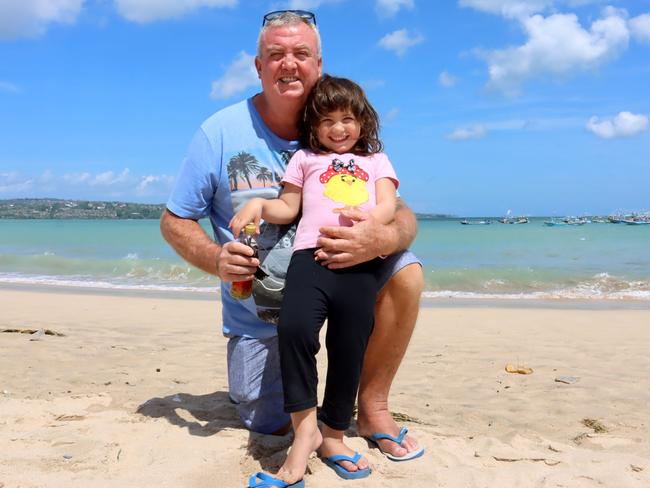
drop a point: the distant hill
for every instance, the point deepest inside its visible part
(54, 208)
(51, 208)
(428, 216)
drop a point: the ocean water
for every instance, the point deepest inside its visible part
(529, 261)
(601, 261)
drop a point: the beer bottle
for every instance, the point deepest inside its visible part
(243, 289)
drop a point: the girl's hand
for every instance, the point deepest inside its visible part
(251, 212)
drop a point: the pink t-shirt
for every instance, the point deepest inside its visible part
(333, 181)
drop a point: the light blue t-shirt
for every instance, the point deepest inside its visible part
(233, 157)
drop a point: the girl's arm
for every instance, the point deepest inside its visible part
(282, 210)
(384, 210)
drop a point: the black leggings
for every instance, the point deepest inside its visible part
(346, 298)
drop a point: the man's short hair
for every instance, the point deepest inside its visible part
(283, 20)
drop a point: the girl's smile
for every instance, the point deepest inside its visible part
(338, 131)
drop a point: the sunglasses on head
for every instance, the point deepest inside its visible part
(303, 14)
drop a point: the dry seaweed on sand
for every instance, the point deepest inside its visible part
(580, 437)
(594, 424)
(33, 331)
(597, 426)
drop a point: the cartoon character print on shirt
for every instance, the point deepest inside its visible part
(345, 182)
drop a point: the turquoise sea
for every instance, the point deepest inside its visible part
(592, 261)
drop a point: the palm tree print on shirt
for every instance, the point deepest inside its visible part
(286, 156)
(241, 166)
(264, 175)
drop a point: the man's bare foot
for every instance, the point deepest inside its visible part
(381, 422)
(333, 445)
(294, 467)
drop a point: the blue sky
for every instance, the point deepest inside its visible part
(538, 107)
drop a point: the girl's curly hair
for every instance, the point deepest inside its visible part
(329, 94)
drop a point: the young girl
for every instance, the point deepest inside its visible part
(342, 166)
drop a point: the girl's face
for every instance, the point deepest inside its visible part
(338, 131)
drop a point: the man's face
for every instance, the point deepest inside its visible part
(288, 64)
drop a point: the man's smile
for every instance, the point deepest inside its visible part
(288, 79)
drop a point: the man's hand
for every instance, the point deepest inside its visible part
(235, 262)
(341, 247)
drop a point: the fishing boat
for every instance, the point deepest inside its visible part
(475, 222)
(621, 218)
(554, 223)
(514, 220)
(576, 221)
(566, 221)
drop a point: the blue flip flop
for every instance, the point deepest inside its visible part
(263, 480)
(333, 461)
(397, 440)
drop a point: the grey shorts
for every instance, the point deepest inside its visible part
(254, 378)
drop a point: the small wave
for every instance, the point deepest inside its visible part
(601, 286)
(551, 295)
(92, 284)
(489, 284)
(128, 268)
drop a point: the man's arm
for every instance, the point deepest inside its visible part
(341, 247)
(231, 262)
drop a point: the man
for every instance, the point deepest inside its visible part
(231, 158)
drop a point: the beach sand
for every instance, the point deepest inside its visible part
(135, 395)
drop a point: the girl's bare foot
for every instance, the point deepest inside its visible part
(333, 445)
(307, 439)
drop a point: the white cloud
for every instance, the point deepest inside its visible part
(12, 183)
(239, 76)
(109, 178)
(391, 115)
(76, 178)
(5, 86)
(30, 18)
(508, 8)
(47, 176)
(557, 45)
(155, 184)
(465, 133)
(520, 124)
(625, 124)
(640, 27)
(520, 8)
(309, 4)
(447, 80)
(144, 11)
(107, 185)
(388, 8)
(400, 41)
(582, 3)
